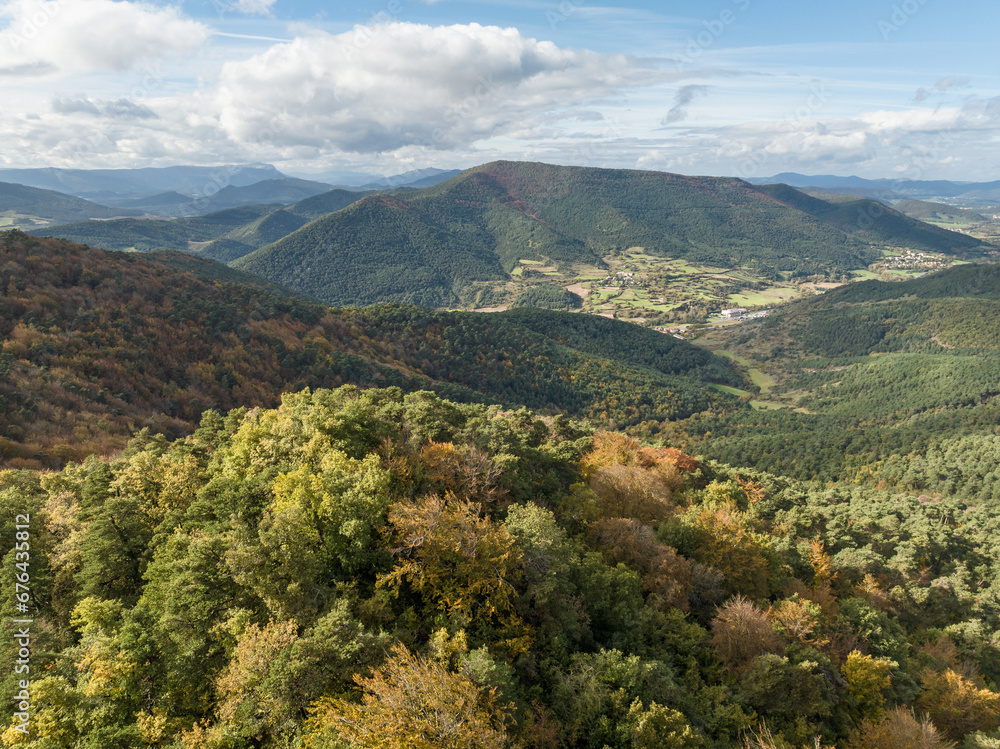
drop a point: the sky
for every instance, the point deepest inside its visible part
(897, 89)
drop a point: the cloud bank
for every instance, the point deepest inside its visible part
(379, 89)
(70, 37)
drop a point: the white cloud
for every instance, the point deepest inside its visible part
(80, 36)
(386, 87)
(915, 143)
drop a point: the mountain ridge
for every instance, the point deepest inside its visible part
(494, 215)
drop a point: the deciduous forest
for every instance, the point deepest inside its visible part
(249, 521)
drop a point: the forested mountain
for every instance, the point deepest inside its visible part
(29, 207)
(462, 243)
(415, 178)
(874, 222)
(147, 234)
(280, 190)
(883, 374)
(284, 191)
(221, 235)
(930, 211)
(437, 246)
(98, 344)
(345, 529)
(272, 226)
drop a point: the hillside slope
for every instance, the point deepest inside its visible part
(29, 207)
(930, 211)
(433, 246)
(97, 344)
(874, 222)
(878, 374)
(222, 235)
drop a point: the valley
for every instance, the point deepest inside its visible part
(579, 508)
(676, 294)
(499, 375)
(662, 250)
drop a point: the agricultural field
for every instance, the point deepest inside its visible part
(15, 220)
(660, 291)
(672, 293)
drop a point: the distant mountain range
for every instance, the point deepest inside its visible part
(450, 244)
(281, 190)
(30, 207)
(416, 178)
(101, 184)
(221, 235)
(977, 193)
(186, 190)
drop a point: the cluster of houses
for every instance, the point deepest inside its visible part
(741, 313)
(622, 278)
(911, 260)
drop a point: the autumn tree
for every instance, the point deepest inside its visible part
(460, 562)
(741, 632)
(867, 682)
(631, 492)
(899, 729)
(666, 576)
(958, 705)
(413, 703)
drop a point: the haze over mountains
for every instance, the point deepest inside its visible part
(30, 206)
(40, 197)
(119, 183)
(972, 193)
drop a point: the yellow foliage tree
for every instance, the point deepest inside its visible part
(460, 562)
(412, 703)
(957, 705)
(611, 449)
(797, 620)
(867, 679)
(729, 544)
(631, 492)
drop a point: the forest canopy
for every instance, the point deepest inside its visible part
(368, 568)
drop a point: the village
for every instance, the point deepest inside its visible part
(911, 260)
